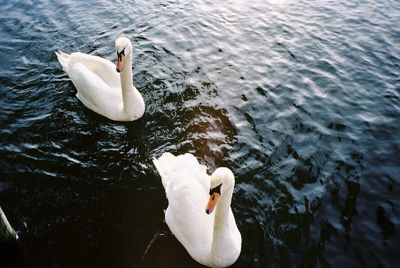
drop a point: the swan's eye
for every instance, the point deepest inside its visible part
(120, 54)
(216, 190)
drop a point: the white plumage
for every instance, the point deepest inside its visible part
(211, 239)
(100, 87)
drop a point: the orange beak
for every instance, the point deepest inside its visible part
(212, 202)
(120, 63)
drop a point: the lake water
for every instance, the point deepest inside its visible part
(301, 99)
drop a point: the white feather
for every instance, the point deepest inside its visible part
(100, 88)
(211, 240)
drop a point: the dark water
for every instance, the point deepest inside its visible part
(300, 98)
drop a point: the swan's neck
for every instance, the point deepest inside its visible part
(222, 237)
(132, 100)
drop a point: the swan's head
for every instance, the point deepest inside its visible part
(222, 181)
(123, 47)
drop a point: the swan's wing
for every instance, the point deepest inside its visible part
(103, 68)
(169, 166)
(187, 185)
(96, 80)
(94, 93)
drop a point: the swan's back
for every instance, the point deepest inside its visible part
(102, 68)
(186, 186)
(172, 167)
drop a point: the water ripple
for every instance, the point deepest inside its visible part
(300, 99)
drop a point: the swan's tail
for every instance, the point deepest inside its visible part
(63, 58)
(165, 166)
(183, 166)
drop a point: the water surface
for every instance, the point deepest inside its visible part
(301, 99)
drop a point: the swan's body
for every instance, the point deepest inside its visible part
(100, 87)
(212, 240)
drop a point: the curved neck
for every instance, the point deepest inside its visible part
(126, 74)
(222, 225)
(132, 100)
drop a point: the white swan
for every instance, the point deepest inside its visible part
(212, 240)
(99, 86)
